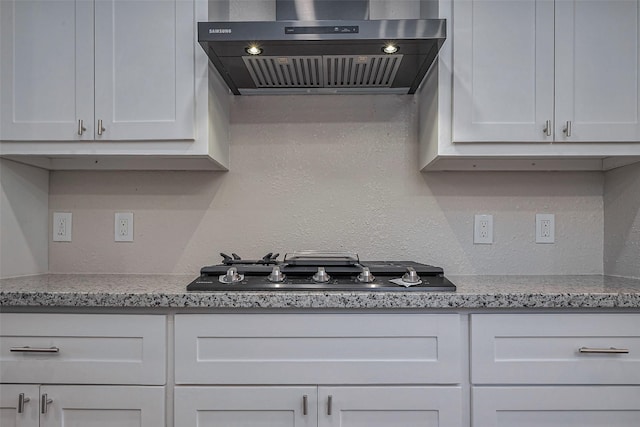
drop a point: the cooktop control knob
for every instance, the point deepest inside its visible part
(232, 276)
(365, 276)
(321, 276)
(276, 275)
(411, 276)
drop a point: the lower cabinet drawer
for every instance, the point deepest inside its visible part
(82, 349)
(555, 406)
(555, 349)
(317, 348)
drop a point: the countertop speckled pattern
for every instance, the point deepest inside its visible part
(117, 291)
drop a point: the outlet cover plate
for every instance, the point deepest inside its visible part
(483, 230)
(123, 227)
(61, 226)
(545, 228)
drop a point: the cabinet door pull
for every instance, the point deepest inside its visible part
(329, 404)
(547, 128)
(567, 128)
(305, 404)
(81, 127)
(21, 401)
(101, 128)
(27, 349)
(44, 403)
(610, 350)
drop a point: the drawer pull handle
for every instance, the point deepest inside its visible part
(28, 349)
(305, 404)
(610, 350)
(329, 404)
(21, 401)
(44, 403)
(547, 128)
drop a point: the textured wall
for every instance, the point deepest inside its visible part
(23, 219)
(327, 172)
(622, 221)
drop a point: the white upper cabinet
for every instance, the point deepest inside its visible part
(125, 78)
(522, 84)
(144, 77)
(46, 69)
(503, 67)
(507, 64)
(597, 73)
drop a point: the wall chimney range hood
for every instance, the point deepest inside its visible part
(307, 50)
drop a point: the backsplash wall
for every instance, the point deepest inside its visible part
(622, 221)
(328, 172)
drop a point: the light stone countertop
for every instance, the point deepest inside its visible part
(168, 291)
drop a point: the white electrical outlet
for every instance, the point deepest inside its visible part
(483, 229)
(123, 227)
(545, 228)
(62, 226)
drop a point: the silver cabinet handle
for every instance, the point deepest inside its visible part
(44, 403)
(547, 128)
(610, 350)
(81, 127)
(27, 349)
(305, 404)
(567, 128)
(21, 401)
(329, 404)
(100, 127)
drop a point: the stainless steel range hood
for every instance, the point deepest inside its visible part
(306, 51)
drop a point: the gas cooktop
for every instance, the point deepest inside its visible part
(319, 271)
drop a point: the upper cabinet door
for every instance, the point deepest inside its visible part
(503, 70)
(597, 70)
(46, 70)
(144, 65)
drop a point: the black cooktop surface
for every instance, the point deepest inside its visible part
(325, 271)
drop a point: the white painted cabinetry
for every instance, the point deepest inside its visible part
(85, 80)
(359, 369)
(283, 406)
(555, 370)
(100, 370)
(524, 84)
(66, 405)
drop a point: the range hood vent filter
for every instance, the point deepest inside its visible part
(281, 72)
(336, 71)
(361, 71)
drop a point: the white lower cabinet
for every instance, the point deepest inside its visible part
(82, 370)
(321, 369)
(601, 406)
(310, 406)
(77, 406)
(555, 370)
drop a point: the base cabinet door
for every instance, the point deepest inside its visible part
(101, 406)
(81, 406)
(390, 406)
(19, 405)
(245, 406)
(594, 406)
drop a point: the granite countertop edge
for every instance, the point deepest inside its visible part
(168, 291)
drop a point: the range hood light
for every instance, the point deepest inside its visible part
(390, 48)
(253, 50)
